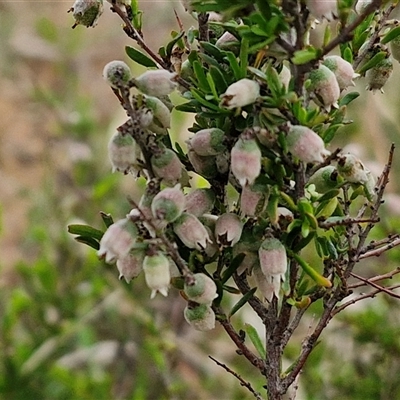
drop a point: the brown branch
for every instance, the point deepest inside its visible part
(376, 286)
(326, 162)
(244, 383)
(242, 348)
(361, 297)
(377, 252)
(346, 221)
(377, 278)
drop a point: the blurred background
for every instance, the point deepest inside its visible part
(69, 329)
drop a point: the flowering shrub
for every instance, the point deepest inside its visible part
(267, 105)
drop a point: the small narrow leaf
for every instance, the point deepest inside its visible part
(85, 230)
(377, 58)
(140, 57)
(304, 56)
(107, 218)
(392, 34)
(201, 76)
(242, 302)
(252, 333)
(234, 65)
(89, 241)
(234, 265)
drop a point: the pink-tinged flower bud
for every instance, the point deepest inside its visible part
(86, 12)
(208, 142)
(342, 69)
(161, 113)
(118, 240)
(395, 48)
(352, 169)
(203, 290)
(273, 259)
(156, 273)
(267, 285)
(200, 201)
(156, 82)
(116, 73)
(227, 42)
(240, 94)
(200, 316)
(168, 204)
(211, 247)
(131, 265)
(253, 199)
(167, 166)
(322, 9)
(246, 161)
(325, 179)
(324, 86)
(123, 153)
(306, 145)
(228, 229)
(191, 232)
(204, 166)
(377, 76)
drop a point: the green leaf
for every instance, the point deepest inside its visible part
(242, 302)
(139, 57)
(234, 265)
(172, 43)
(348, 98)
(243, 56)
(252, 333)
(377, 58)
(304, 56)
(392, 34)
(199, 97)
(311, 272)
(213, 50)
(201, 76)
(219, 79)
(347, 55)
(237, 72)
(85, 230)
(107, 219)
(89, 241)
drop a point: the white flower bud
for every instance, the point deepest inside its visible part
(161, 112)
(118, 240)
(253, 199)
(131, 265)
(123, 153)
(240, 94)
(342, 69)
(157, 274)
(246, 161)
(201, 317)
(306, 145)
(324, 86)
(325, 179)
(203, 290)
(191, 232)
(168, 204)
(268, 285)
(208, 142)
(200, 201)
(167, 166)
(227, 42)
(352, 169)
(377, 76)
(116, 73)
(156, 82)
(273, 259)
(86, 12)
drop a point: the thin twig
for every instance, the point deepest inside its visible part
(236, 338)
(377, 278)
(376, 286)
(377, 252)
(345, 221)
(237, 376)
(359, 298)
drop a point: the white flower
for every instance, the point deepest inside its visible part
(118, 240)
(156, 82)
(157, 274)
